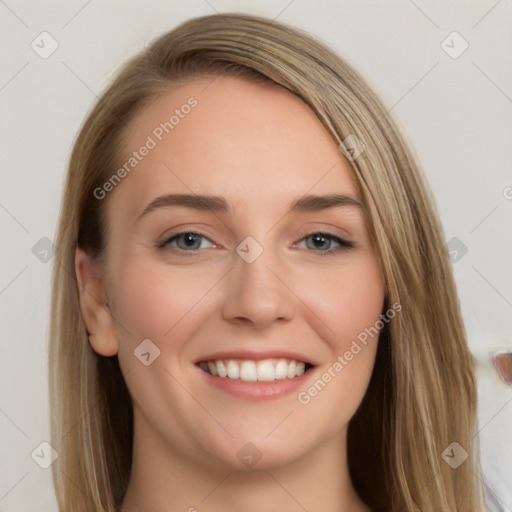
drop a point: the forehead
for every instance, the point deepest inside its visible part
(249, 142)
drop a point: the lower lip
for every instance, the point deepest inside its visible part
(257, 390)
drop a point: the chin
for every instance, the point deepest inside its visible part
(257, 455)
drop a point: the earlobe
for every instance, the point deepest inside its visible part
(94, 306)
(104, 343)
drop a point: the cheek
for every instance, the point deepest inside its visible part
(165, 306)
(157, 302)
(349, 304)
(348, 300)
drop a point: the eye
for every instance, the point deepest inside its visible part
(186, 241)
(322, 243)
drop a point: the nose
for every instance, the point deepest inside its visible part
(258, 293)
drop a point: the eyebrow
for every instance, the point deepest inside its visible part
(309, 203)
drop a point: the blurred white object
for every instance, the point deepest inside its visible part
(494, 374)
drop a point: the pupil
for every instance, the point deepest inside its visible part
(323, 243)
(190, 239)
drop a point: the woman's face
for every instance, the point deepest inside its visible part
(251, 288)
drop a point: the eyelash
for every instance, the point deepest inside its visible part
(344, 245)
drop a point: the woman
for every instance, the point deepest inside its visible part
(252, 304)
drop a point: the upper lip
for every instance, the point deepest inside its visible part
(257, 355)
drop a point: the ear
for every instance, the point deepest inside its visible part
(94, 305)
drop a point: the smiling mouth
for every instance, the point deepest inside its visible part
(264, 370)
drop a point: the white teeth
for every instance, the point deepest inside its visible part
(221, 369)
(248, 371)
(212, 367)
(233, 369)
(281, 371)
(291, 370)
(266, 370)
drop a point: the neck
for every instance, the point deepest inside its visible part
(163, 480)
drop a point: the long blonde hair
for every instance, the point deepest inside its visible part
(422, 395)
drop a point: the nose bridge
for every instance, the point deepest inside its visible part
(255, 292)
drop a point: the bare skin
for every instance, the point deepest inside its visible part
(261, 149)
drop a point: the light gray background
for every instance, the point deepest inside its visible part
(458, 112)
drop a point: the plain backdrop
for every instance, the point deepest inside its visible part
(454, 102)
